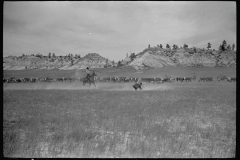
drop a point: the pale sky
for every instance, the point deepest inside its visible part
(113, 29)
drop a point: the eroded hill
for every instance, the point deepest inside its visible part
(92, 60)
(157, 58)
(154, 57)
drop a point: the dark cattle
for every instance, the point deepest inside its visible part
(187, 79)
(41, 79)
(19, 80)
(127, 79)
(97, 79)
(11, 80)
(100, 79)
(151, 80)
(181, 79)
(48, 79)
(68, 79)
(121, 79)
(22, 79)
(144, 79)
(74, 79)
(33, 80)
(157, 80)
(205, 79)
(154, 80)
(5, 80)
(137, 86)
(105, 79)
(147, 80)
(133, 79)
(166, 80)
(26, 79)
(232, 79)
(223, 78)
(60, 79)
(113, 79)
(209, 79)
(172, 79)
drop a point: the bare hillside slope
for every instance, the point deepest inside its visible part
(157, 58)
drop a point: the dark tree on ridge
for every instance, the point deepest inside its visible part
(233, 47)
(209, 45)
(185, 46)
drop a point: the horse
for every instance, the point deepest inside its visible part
(90, 80)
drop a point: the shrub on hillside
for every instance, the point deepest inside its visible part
(132, 56)
(39, 55)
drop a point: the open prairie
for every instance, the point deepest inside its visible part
(169, 120)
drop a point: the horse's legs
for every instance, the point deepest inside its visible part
(94, 84)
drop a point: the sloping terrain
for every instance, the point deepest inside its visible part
(157, 58)
(154, 57)
(92, 60)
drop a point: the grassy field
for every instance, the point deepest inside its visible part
(189, 120)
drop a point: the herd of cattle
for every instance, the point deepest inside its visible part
(120, 79)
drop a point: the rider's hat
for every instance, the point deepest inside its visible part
(87, 68)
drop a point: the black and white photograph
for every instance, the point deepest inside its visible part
(119, 79)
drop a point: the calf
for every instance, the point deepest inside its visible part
(137, 85)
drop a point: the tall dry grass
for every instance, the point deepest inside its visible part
(195, 120)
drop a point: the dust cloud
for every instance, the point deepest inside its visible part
(79, 86)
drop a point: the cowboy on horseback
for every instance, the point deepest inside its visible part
(89, 77)
(88, 73)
